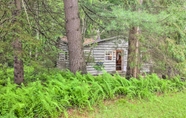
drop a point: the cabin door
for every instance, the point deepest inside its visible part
(119, 60)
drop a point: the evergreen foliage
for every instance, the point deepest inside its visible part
(162, 28)
(48, 92)
(40, 24)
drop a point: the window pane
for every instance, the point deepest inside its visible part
(66, 55)
(108, 52)
(108, 55)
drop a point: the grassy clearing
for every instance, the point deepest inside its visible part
(172, 105)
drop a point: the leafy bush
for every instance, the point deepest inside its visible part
(99, 66)
(50, 93)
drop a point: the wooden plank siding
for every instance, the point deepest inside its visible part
(98, 53)
(63, 63)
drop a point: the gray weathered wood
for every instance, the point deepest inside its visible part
(98, 53)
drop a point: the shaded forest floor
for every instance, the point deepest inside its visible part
(171, 105)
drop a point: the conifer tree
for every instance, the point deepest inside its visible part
(17, 46)
(74, 36)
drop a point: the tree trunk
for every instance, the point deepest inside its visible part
(74, 36)
(133, 54)
(133, 62)
(17, 46)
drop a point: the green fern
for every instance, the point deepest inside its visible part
(48, 94)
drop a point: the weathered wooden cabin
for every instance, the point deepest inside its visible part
(111, 52)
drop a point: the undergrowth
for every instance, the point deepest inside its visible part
(50, 93)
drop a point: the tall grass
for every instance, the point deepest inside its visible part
(49, 94)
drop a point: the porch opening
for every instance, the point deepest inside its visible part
(119, 60)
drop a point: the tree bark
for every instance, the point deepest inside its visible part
(17, 46)
(74, 36)
(133, 54)
(133, 62)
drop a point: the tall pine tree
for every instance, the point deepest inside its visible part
(74, 36)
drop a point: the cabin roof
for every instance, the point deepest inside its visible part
(89, 41)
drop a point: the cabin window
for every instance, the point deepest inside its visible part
(89, 56)
(65, 55)
(108, 55)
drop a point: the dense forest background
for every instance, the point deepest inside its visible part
(32, 86)
(158, 26)
(30, 29)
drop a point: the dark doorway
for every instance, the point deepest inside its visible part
(118, 60)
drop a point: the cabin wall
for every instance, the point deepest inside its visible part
(99, 55)
(63, 59)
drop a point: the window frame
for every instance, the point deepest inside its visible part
(65, 55)
(107, 59)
